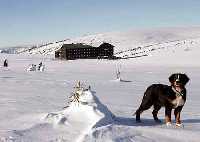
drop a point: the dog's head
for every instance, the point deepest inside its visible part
(178, 80)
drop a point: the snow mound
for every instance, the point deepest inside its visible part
(75, 122)
(83, 115)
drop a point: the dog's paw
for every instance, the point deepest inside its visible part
(179, 125)
(168, 124)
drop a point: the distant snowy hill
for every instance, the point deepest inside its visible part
(131, 44)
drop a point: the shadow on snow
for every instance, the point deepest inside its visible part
(146, 122)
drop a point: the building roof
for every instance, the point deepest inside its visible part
(106, 44)
(77, 45)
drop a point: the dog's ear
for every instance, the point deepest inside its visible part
(171, 78)
(185, 78)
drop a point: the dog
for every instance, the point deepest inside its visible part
(170, 97)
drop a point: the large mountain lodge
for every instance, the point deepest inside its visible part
(82, 51)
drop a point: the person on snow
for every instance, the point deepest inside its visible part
(5, 64)
(39, 66)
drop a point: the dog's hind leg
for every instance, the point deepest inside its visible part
(155, 112)
(138, 112)
(146, 104)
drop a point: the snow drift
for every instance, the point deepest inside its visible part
(83, 114)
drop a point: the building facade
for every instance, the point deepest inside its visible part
(81, 51)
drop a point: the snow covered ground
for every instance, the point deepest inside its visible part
(32, 103)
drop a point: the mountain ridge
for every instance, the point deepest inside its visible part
(137, 42)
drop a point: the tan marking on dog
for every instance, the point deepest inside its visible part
(167, 119)
(178, 118)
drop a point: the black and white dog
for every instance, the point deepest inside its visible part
(171, 97)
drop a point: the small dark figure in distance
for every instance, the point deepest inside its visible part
(5, 63)
(171, 97)
(40, 65)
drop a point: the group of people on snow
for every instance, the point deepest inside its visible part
(31, 67)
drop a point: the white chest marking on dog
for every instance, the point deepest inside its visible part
(178, 101)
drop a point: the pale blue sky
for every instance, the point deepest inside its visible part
(35, 21)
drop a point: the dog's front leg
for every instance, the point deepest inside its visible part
(168, 111)
(177, 113)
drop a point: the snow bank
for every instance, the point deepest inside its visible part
(74, 122)
(83, 115)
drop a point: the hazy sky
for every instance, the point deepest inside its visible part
(35, 21)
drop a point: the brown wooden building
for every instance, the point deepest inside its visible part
(81, 51)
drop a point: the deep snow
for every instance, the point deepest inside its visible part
(31, 103)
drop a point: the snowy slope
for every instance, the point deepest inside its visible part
(132, 43)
